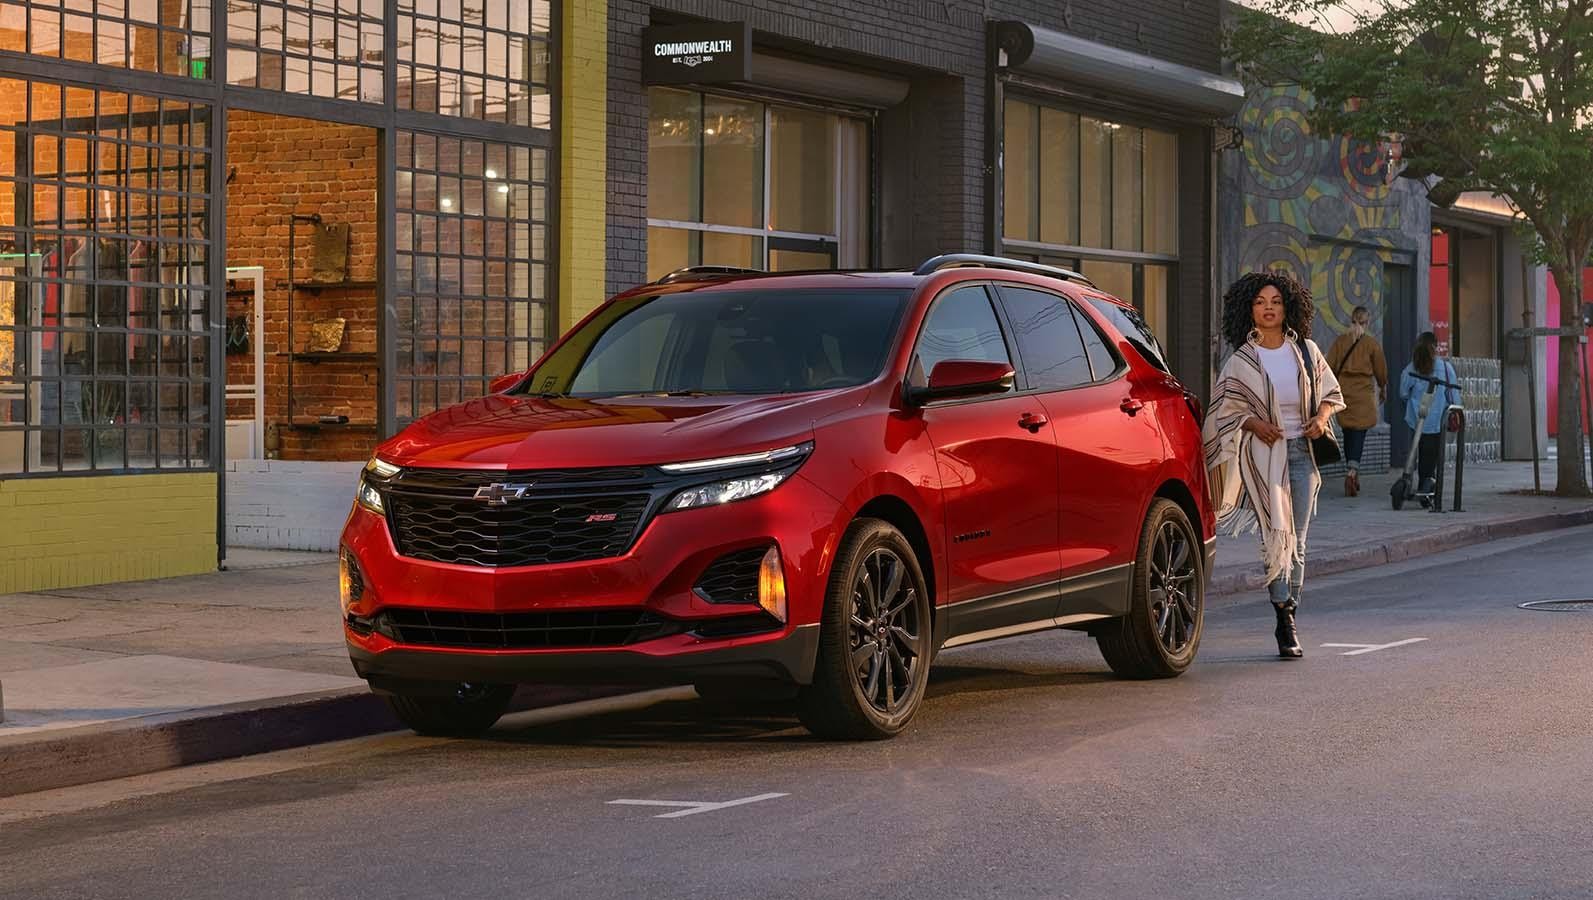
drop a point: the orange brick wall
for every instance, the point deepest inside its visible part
(280, 166)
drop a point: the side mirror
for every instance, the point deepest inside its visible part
(504, 382)
(963, 378)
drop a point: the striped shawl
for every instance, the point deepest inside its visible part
(1249, 480)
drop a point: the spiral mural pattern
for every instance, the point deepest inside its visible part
(1319, 207)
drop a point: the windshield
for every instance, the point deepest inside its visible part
(726, 342)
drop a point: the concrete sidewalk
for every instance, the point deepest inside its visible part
(114, 680)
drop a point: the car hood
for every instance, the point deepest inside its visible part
(520, 432)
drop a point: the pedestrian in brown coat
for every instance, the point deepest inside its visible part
(1357, 360)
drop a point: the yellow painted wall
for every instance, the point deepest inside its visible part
(69, 532)
(583, 159)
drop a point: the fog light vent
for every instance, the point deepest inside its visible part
(350, 580)
(732, 578)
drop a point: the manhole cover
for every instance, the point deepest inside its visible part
(1560, 605)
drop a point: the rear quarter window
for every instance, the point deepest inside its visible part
(1135, 329)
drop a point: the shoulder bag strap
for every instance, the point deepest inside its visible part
(1346, 357)
(1310, 370)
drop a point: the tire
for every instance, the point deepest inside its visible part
(471, 711)
(866, 646)
(1398, 493)
(1158, 639)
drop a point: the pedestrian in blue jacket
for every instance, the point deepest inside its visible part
(1427, 371)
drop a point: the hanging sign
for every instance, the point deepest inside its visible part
(701, 53)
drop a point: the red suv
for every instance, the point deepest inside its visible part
(805, 482)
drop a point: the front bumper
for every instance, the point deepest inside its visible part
(656, 575)
(784, 657)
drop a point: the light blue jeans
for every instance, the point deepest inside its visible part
(1303, 484)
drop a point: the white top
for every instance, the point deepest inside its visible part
(1283, 370)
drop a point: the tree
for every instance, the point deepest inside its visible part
(1490, 95)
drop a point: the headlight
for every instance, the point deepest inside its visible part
(381, 468)
(727, 491)
(370, 498)
(367, 495)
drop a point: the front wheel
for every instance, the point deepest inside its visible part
(1161, 633)
(874, 639)
(469, 711)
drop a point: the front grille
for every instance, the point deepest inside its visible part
(523, 630)
(732, 578)
(568, 516)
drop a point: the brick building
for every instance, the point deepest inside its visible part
(346, 214)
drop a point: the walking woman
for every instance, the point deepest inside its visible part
(1276, 392)
(1357, 362)
(1428, 372)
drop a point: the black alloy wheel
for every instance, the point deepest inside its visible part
(885, 632)
(1161, 633)
(874, 640)
(1173, 592)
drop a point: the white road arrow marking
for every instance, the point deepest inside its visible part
(693, 807)
(1373, 648)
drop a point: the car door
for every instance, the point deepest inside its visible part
(1108, 448)
(995, 460)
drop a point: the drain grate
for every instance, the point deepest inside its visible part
(1560, 605)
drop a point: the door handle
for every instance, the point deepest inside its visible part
(1032, 421)
(1131, 406)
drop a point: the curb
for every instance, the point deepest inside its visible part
(76, 756)
(1227, 580)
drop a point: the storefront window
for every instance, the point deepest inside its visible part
(104, 247)
(708, 203)
(325, 48)
(167, 36)
(472, 279)
(1096, 195)
(478, 59)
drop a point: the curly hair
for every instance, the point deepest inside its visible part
(1237, 320)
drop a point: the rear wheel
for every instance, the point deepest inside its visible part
(471, 710)
(1161, 633)
(874, 639)
(1399, 492)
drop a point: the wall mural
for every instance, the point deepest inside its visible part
(1325, 209)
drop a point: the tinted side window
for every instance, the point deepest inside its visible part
(1135, 329)
(961, 325)
(1103, 362)
(1048, 339)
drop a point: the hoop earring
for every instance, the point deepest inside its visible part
(1254, 336)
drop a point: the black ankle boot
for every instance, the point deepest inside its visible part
(1288, 641)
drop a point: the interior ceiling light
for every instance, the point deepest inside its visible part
(447, 203)
(503, 189)
(491, 173)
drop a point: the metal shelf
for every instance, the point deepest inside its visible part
(331, 356)
(330, 285)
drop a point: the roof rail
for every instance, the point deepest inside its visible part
(976, 260)
(690, 271)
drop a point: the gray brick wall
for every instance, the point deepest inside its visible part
(938, 44)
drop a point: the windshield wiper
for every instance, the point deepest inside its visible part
(664, 394)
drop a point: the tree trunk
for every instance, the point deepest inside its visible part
(1571, 469)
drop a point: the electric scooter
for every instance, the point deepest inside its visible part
(1406, 487)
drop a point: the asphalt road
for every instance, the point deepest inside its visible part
(1457, 766)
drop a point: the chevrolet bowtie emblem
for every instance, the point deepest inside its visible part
(499, 494)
